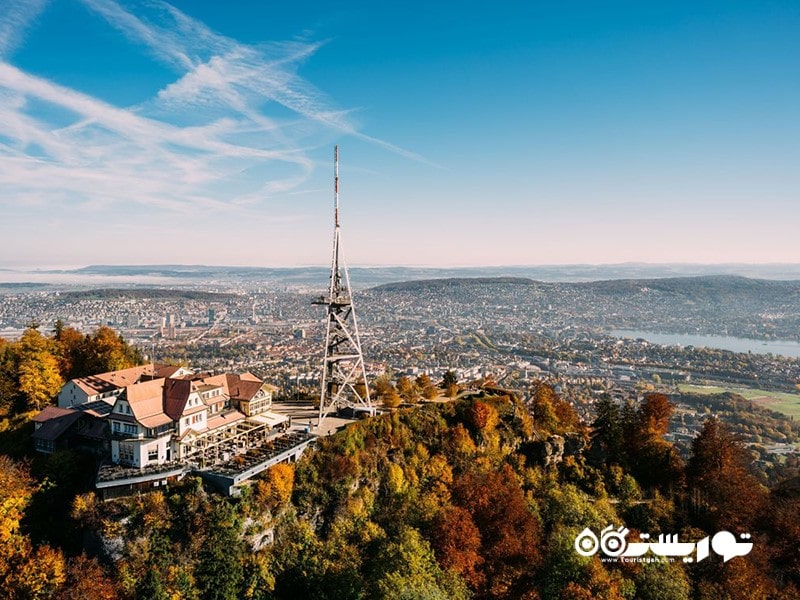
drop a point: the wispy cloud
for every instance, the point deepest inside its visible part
(205, 140)
(18, 15)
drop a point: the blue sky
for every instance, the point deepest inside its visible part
(470, 133)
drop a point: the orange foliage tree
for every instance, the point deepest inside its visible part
(510, 533)
(719, 470)
(457, 542)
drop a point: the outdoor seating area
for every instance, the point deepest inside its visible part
(267, 451)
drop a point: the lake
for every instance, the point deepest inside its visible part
(721, 342)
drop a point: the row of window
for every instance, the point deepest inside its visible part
(127, 428)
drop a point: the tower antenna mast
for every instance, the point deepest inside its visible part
(344, 377)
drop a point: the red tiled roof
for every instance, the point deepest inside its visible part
(51, 412)
(176, 393)
(106, 382)
(146, 401)
(242, 389)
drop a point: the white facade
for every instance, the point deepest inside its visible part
(192, 418)
(141, 452)
(73, 395)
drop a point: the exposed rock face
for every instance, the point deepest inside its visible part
(552, 451)
(574, 443)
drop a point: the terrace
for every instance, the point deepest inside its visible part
(256, 460)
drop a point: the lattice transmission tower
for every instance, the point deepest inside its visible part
(344, 378)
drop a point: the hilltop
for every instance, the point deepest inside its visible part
(702, 285)
(467, 499)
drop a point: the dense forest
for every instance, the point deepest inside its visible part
(462, 499)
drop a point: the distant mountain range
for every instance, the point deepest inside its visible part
(363, 277)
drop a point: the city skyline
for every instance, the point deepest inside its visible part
(510, 134)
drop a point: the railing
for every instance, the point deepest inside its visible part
(109, 473)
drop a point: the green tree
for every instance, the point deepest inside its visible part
(9, 389)
(449, 379)
(219, 570)
(150, 586)
(607, 434)
(405, 569)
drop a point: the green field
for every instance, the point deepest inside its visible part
(788, 404)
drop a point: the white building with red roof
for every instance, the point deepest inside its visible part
(107, 386)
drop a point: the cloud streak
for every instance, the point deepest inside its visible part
(206, 140)
(19, 14)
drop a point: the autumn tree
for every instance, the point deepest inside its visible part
(383, 383)
(426, 387)
(654, 414)
(105, 351)
(275, 487)
(391, 399)
(720, 471)
(71, 347)
(551, 414)
(483, 416)
(406, 389)
(39, 375)
(509, 531)
(25, 571)
(457, 542)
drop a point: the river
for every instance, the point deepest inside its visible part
(721, 342)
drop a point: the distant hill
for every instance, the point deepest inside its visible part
(146, 293)
(701, 286)
(453, 282)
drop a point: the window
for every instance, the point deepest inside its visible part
(116, 426)
(126, 453)
(46, 446)
(133, 429)
(152, 453)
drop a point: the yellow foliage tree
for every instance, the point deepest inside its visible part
(25, 572)
(276, 488)
(39, 373)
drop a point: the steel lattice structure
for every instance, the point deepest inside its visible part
(344, 377)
